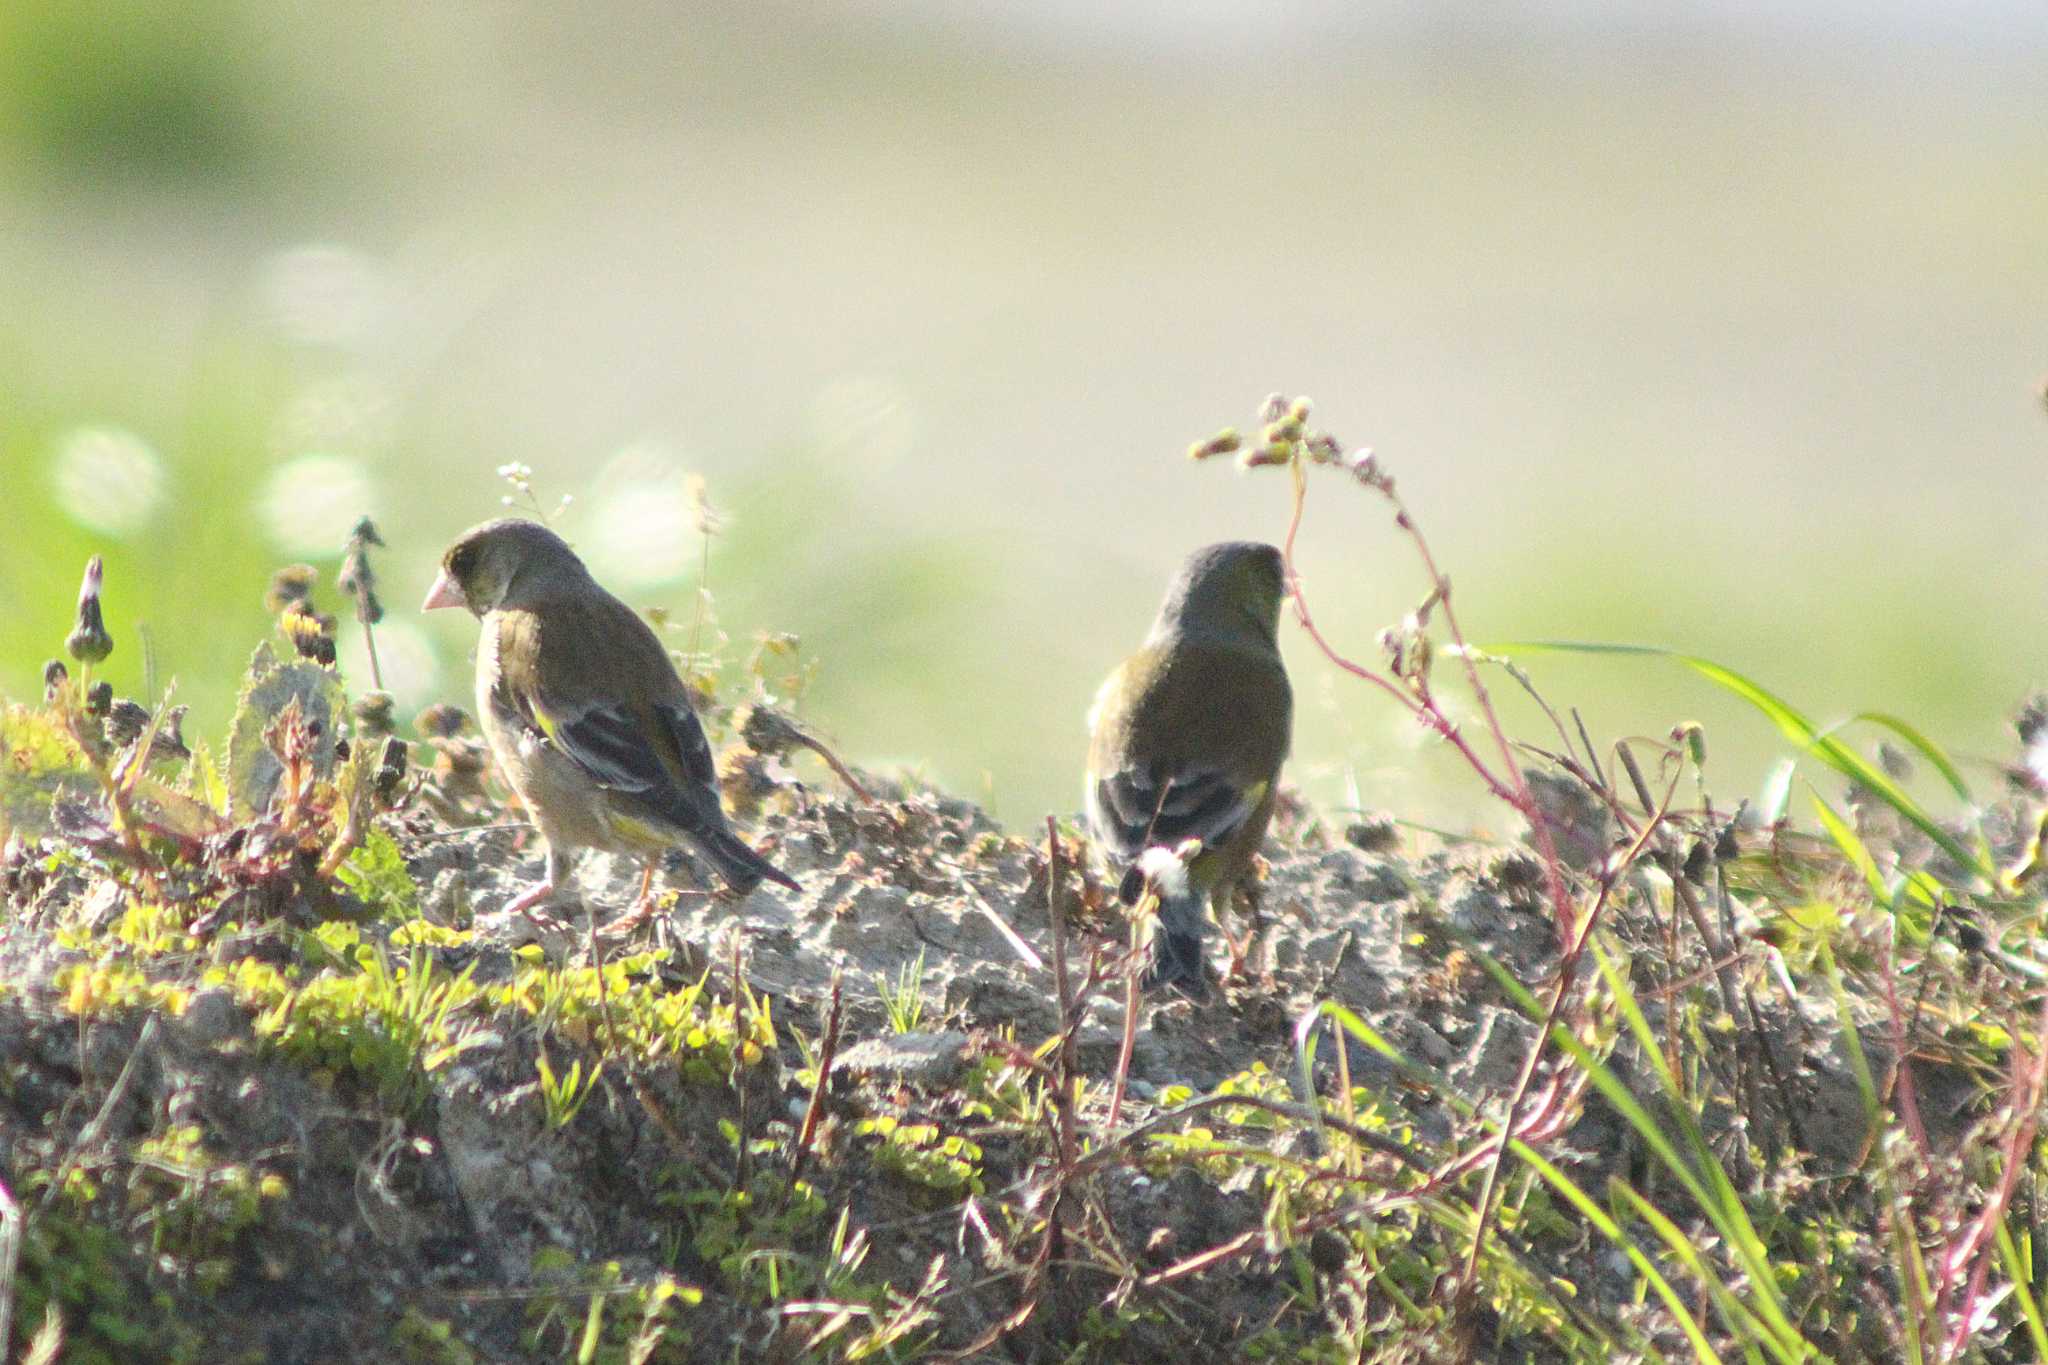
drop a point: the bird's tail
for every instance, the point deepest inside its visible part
(1176, 950)
(1177, 958)
(742, 868)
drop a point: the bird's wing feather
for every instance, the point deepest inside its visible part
(1137, 809)
(1154, 781)
(637, 738)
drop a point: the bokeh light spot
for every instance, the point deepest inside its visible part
(308, 505)
(107, 479)
(864, 420)
(641, 500)
(406, 655)
(324, 295)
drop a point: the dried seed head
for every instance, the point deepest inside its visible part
(1365, 467)
(767, 730)
(89, 642)
(290, 586)
(99, 699)
(125, 721)
(441, 721)
(1893, 760)
(363, 533)
(311, 633)
(708, 520)
(2030, 722)
(357, 579)
(55, 677)
(392, 766)
(372, 711)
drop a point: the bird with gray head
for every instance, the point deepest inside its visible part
(1188, 737)
(586, 714)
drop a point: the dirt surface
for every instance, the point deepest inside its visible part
(452, 1221)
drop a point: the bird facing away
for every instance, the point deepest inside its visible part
(585, 713)
(1188, 735)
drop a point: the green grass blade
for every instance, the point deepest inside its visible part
(1736, 1315)
(1614, 1233)
(2023, 1289)
(1797, 728)
(1706, 1183)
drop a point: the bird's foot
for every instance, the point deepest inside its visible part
(630, 922)
(529, 903)
(1240, 954)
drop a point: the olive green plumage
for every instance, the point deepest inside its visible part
(1188, 737)
(583, 709)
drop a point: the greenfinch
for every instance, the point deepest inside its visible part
(1188, 736)
(585, 713)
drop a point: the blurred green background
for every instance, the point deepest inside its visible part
(1713, 326)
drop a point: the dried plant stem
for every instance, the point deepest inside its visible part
(1567, 974)
(1514, 788)
(10, 1257)
(1129, 1043)
(814, 1112)
(370, 644)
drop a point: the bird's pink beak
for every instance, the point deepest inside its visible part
(446, 592)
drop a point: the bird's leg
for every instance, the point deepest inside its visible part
(1247, 892)
(643, 907)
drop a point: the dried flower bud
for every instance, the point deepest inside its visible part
(1274, 408)
(291, 586)
(125, 721)
(1365, 467)
(441, 721)
(2031, 720)
(392, 766)
(357, 579)
(1224, 442)
(708, 520)
(1699, 861)
(99, 699)
(55, 677)
(170, 736)
(311, 633)
(373, 713)
(1893, 760)
(89, 642)
(1694, 737)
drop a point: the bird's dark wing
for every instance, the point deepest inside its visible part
(630, 729)
(1133, 810)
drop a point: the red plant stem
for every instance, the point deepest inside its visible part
(1514, 792)
(1978, 1242)
(1567, 972)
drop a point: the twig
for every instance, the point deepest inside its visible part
(10, 1257)
(90, 1135)
(1060, 985)
(1682, 889)
(1129, 1043)
(828, 1050)
(1567, 970)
